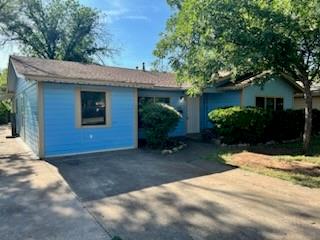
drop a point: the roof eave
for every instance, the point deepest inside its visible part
(102, 83)
(85, 81)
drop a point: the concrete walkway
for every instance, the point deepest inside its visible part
(36, 203)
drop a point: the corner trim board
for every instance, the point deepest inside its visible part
(41, 138)
(135, 125)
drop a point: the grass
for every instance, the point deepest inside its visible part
(293, 166)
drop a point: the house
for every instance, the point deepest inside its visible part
(67, 108)
(300, 103)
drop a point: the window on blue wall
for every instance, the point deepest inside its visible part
(162, 100)
(260, 102)
(270, 103)
(146, 100)
(279, 104)
(93, 108)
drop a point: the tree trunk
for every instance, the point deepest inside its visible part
(308, 116)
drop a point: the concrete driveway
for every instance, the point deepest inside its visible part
(35, 201)
(144, 195)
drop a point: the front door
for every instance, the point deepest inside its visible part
(193, 119)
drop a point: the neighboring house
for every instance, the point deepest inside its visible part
(66, 108)
(300, 103)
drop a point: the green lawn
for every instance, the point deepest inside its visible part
(283, 161)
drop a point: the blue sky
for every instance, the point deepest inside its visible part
(135, 26)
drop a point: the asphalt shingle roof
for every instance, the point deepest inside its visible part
(78, 72)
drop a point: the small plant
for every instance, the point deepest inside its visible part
(158, 120)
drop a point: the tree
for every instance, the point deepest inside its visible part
(3, 80)
(55, 29)
(204, 37)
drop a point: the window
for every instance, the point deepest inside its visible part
(162, 100)
(260, 102)
(270, 103)
(93, 108)
(144, 100)
(279, 104)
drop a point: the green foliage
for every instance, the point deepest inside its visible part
(240, 125)
(4, 112)
(252, 125)
(285, 125)
(207, 36)
(59, 29)
(157, 121)
(3, 80)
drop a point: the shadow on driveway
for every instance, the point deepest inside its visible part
(144, 195)
(100, 175)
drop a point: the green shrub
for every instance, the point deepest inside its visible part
(4, 112)
(252, 125)
(316, 121)
(240, 125)
(285, 125)
(157, 121)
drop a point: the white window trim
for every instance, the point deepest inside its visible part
(108, 108)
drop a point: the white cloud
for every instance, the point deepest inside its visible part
(137, 17)
(118, 10)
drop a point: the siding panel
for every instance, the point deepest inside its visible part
(211, 101)
(273, 88)
(27, 112)
(63, 137)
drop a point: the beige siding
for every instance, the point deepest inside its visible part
(299, 102)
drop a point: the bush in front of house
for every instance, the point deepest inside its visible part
(285, 125)
(158, 120)
(253, 125)
(4, 113)
(289, 124)
(240, 125)
(315, 121)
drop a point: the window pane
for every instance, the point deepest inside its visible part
(145, 100)
(279, 104)
(93, 108)
(260, 102)
(270, 103)
(162, 100)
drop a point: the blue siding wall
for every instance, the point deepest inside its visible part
(62, 137)
(175, 102)
(272, 88)
(27, 112)
(211, 101)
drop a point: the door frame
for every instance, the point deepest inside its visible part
(195, 115)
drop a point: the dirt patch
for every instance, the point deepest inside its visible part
(260, 160)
